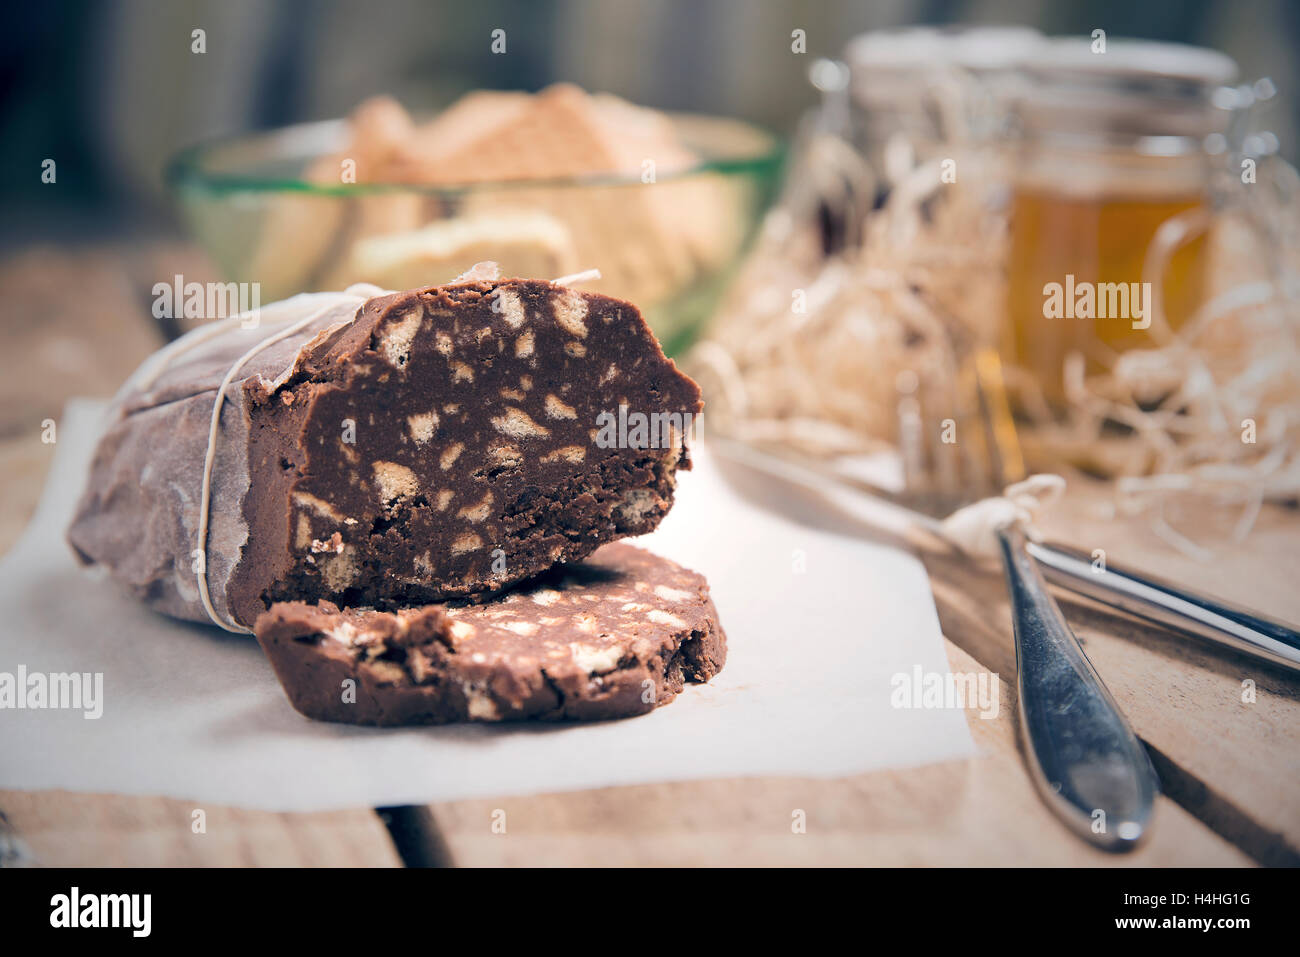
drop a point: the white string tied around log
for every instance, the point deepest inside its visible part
(358, 294)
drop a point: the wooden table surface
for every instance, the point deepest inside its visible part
(75, 322)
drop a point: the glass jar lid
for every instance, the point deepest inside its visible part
(1157, 93)
(889, 67)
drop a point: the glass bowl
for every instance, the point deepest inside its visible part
(668, 242)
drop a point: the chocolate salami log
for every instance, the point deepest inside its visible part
(388, 451)
(616, 635)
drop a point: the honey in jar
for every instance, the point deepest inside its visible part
(1112, 151)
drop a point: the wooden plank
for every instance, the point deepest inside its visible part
(1235, 763)
(979, 812)
(60, 342)
(61, 828)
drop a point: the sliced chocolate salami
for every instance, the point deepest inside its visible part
(616, 635)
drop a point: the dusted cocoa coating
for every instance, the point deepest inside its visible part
(615, 635)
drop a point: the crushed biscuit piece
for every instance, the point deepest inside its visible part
(479, 705)
(450, 455)
(555, 409)
(637, 503)
(517, 424)
(596, 660)
(395, 482)
(661, 617)
(566, 453)
(319, 506)
(571, 312)
(341, 570)
(479, 512)
(524, 345)
(466, 542)
(396, 338)
(505, 457)
(671, 594)
(460, 631)
(423, 426)
(386, 671)
(510, 306)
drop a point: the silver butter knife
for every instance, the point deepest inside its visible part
(1085, 759)
(1163, 602)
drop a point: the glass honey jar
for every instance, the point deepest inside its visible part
(1112, 148)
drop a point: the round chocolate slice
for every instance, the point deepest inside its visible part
(616, 635)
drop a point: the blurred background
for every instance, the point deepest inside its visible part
(112, 89)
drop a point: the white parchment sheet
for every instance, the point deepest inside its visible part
(817, 625)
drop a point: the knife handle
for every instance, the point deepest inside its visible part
(1217, 621)
(1088, 764)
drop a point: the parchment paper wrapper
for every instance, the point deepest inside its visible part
(139, 513)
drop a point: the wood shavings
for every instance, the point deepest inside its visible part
(807, 349)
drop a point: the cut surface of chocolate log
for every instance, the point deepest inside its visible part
(616, 635)
(440, 443)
